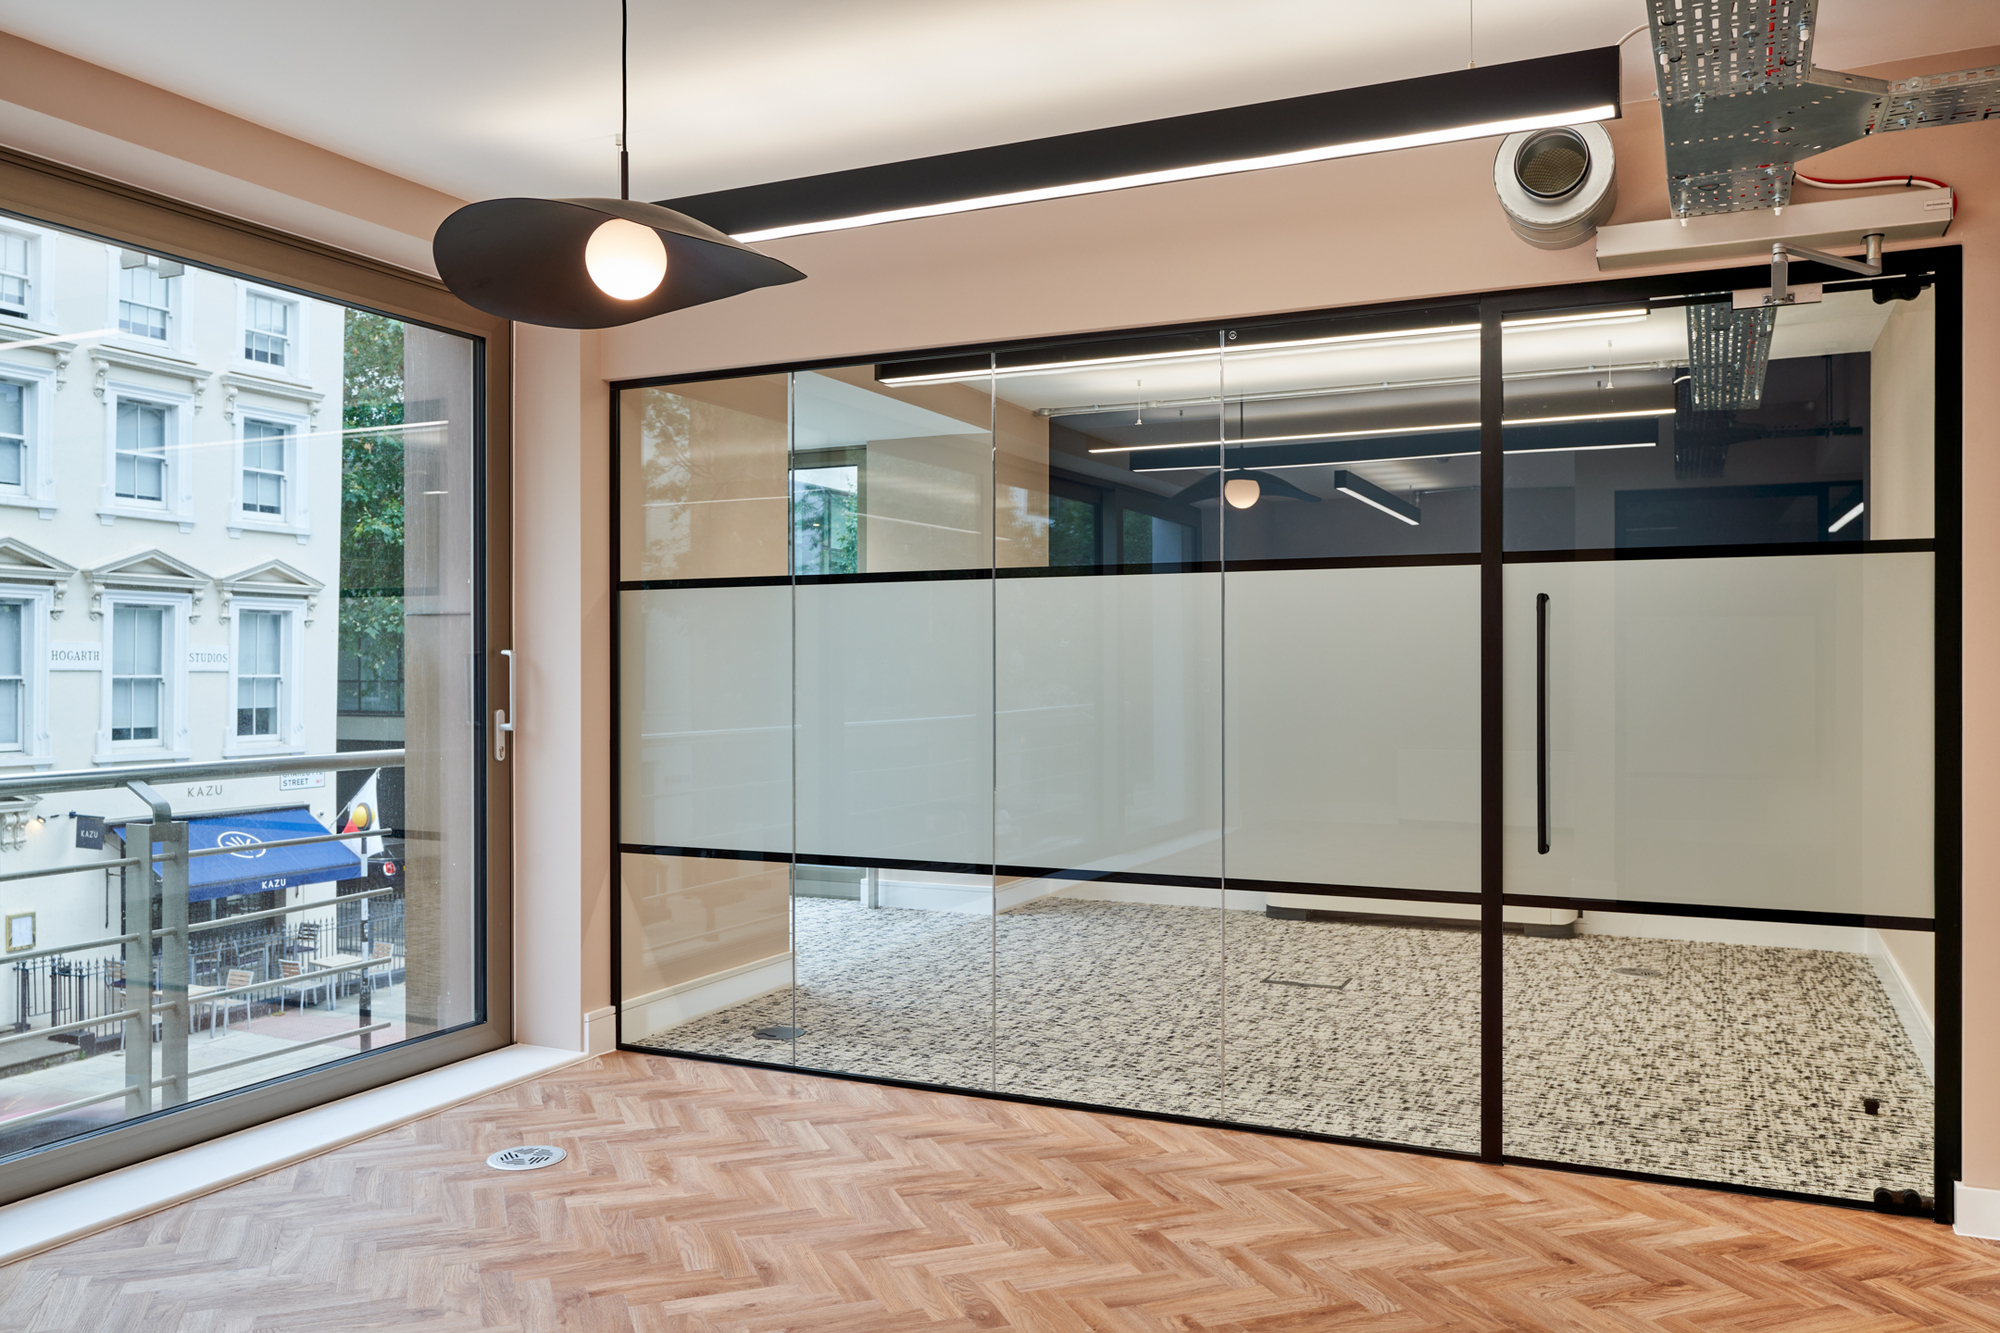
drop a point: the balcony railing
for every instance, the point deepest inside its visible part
(161, 1013)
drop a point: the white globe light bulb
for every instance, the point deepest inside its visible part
(625, 260)
(1241, 492)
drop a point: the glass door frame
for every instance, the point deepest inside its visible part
(122, 214)
(1944, 264)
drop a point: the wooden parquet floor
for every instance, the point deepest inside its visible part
(711, 1197)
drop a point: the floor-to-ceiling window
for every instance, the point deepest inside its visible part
(223, 899)
(1503, 727)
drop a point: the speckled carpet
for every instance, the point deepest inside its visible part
(1708, 1061)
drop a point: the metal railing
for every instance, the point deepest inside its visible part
(169, 969)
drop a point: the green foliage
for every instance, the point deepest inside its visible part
(371, 492)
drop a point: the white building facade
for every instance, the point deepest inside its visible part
(170, 480)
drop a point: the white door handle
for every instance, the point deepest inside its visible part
(503, 718)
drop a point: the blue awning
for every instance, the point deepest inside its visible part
(260, 869)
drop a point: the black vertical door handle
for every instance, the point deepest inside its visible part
(1542, 722)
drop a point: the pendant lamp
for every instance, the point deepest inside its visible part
(594, 263)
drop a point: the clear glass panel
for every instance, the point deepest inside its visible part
(892, 899)
(705, 748)
(1349, 520)
(1107, 804)
(1719, 766)
(701, 480)
(1631, 426)
(129, 989)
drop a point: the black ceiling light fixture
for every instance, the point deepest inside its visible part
(594, 263)
(1574, 88)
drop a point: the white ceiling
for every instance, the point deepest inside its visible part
(488, 97)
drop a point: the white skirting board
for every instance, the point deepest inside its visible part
(89, 1206)
(673, 1005)
(1977, 1212)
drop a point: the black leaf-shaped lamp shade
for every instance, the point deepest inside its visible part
(523, 259)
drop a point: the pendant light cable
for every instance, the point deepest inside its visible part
(624, 99)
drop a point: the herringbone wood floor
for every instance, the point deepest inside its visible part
(700, 1196)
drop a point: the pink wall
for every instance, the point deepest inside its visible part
(1417, 223)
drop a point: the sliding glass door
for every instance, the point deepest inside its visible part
(1187, 723)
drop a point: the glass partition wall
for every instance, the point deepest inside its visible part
(1502, 729)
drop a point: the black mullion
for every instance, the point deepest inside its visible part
(617, 726)
(1492, 479)
(1948, 793)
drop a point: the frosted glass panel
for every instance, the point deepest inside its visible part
(1353, 727)
(1749, 732)
(705, 750)
(1109, 724)
(895, 717)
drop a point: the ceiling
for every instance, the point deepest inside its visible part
(490, 97)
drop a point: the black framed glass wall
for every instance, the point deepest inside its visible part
(236, 472)
(1216, 630)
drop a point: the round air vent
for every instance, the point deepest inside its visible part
(1552, 163)
(1556, 185)
(528, 1158)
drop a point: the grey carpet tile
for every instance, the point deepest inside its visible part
(1735, 1064)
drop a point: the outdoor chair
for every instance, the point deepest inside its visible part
(296, 976)
(241, 976)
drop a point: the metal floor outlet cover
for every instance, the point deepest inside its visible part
(529, 1157)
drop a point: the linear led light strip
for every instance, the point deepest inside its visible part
(1377, 504)
(1385, 431)
(1245, 349)
(1356, 148)
(1405, 458)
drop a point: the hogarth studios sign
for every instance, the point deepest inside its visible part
(90, 657)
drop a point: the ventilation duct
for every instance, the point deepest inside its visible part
(1556, 185)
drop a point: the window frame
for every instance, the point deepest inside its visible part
(37, 490)
(291, 735)
(298, 341)
(176, 503)
(172, 746)
(37, 601)
(294, 516)
(38, 303)
(53, 195)
(175, 341)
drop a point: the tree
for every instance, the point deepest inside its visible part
(371, 494)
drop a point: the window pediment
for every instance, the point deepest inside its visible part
(273, 578)
(22, 563)
(149, 571)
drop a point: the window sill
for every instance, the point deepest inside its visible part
(304, 534)
(108, 516)
(140, 758)
(24, 502)
(89, 1206)
(14, 759)
(263, 751)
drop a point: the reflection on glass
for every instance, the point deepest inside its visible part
(1348, 437)
(1714, 758)
(893, 697)
(701, 480)
(1349, 525)
(245, 569)
(1107, 808)
(1704, 425)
